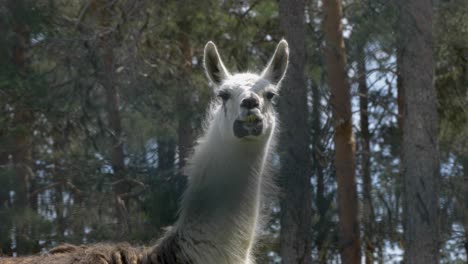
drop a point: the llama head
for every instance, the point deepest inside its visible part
(246, 108)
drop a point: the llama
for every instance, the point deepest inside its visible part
(221, 206)
(220, 210)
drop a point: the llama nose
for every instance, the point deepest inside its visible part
(250, 102)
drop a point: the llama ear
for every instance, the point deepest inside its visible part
(276, 68)
(214, 66)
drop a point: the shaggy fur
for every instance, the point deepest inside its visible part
(220, 211)
(95, 254)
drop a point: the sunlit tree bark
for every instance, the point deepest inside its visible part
(350, 247)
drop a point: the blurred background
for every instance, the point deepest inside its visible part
(102, 100)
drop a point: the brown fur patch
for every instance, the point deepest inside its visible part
(122, 253)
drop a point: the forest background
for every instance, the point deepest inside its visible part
(101, 101)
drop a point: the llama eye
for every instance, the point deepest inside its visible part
(269, 95)
(224, 95)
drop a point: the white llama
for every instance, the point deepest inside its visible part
(220, 209)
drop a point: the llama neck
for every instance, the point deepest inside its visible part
(223, 180)
(221, 204)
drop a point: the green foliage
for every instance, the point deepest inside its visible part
(452, 74)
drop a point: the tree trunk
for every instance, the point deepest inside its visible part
(464, 202)
(166, 155)
(464, 162)
(22, 135)
(59, 210)
(399, 188)
(420, 143)
(317, 157)
(368, 209)
(400, 92)
(381, 253)
(22, 159)
(171, 184)
(183, 99)
(296, 203)
(22, 154)
(106, 43)
(185, 106)
(116, 151)
(344, 141)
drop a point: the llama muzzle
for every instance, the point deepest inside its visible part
(251, 125)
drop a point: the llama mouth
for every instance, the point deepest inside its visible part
(251, 126)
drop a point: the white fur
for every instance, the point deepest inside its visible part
(220, 210)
